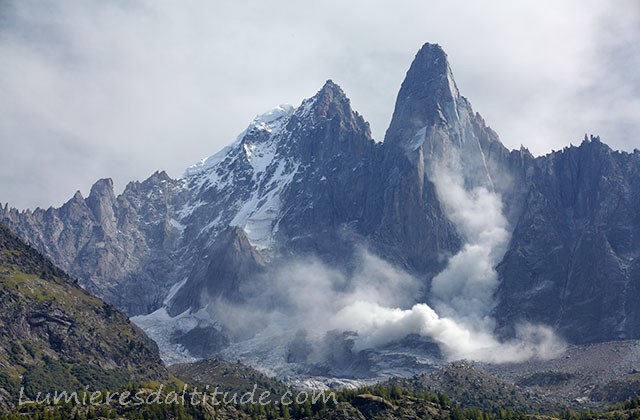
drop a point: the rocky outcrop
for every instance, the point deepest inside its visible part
(219, 273)
(55, 334)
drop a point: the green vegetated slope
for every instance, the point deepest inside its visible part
(473, 388)
(56, 336)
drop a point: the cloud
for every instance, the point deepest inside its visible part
(304, 292)
(309, 299)
(378, 326)
(121, 89)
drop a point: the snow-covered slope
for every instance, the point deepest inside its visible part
(251, 163)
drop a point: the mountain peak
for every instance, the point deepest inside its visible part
(427, 93)
(431, 116)
(101, 187)
(331, 101)
(430, 74)
(331, 88)
(101, 200)
(431, 59)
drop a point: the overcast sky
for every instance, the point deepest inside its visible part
(120, 89)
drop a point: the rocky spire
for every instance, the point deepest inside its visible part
(428, 93)
(101, 201)
(434, 120)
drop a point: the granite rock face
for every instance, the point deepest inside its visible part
(573, 259)
(310, 181)
(119, 247)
